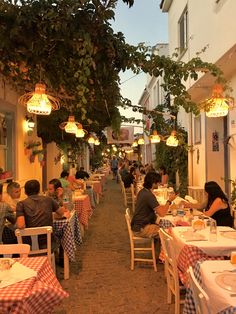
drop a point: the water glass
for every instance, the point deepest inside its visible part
(213, 230)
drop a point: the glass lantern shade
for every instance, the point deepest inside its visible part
(135, 144)
(172, 140)
(91, 140)
(71, 126)
(141, 141)
(79, 131)
(218, 105)
(155, 138)
(39, 102)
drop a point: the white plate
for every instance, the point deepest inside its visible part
(227, 281)
(229, 234)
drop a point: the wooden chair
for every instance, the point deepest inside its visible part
(129, 196)
(136, 248)
(171, 271)
(35, 250)
(201, 299)
(7, 250)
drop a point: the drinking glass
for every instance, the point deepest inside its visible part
(213, 230)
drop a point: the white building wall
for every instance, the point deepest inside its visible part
(210, 26)
(23, 169)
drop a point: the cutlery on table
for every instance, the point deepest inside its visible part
(195, 240)
(224, 271)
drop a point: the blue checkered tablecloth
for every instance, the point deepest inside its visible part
(68, 233)
(189, 307)
(165, 224)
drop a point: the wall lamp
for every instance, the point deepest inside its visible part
(29, 125)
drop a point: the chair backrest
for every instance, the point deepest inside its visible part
(170, 258)
(7, 250)
(128, 222)
(133, 197)
(124, 193)
(201, 299)
(34, 233)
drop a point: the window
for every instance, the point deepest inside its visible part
(183, 31)
(6, 141)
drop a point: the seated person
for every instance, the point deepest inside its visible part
(62, 196)
(55, 191)
(12, 196)
(64, 180)
(216, 206)
(6, 213)
(81, 174)
(129, 178)
(164, 175)
(123, 171)
(36, 211)
(147, 208)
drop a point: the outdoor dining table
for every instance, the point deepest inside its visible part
(69, 234)
(38, 294)
(223, 246)
(97, 187)
(83, 209)
(217, 278)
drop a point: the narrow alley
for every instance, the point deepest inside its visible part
(101, 280)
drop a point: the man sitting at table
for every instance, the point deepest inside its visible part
(147, 208)
(81, 174)
(12, 196)
(6, 213)
(36, 211)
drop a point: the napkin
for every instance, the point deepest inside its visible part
(16, 273)
(178, 200)
(190, 199)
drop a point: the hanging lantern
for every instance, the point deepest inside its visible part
(172, 140)
(135, 144)
(141, 141)
(155, 138)
(38, 102)
(218, 105)
(80, 132)
(91, 139)
(96, 142)
(69, 126)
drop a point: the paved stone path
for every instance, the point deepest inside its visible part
(101, 280)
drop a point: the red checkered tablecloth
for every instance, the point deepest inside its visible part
(35, 295)
(189, 256)
(84, 209)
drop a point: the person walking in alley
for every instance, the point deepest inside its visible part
(147, 208)
(114, 167)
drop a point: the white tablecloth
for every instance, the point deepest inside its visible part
(222, 247)
(220, 298)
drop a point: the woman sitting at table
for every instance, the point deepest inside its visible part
(164, 176)
(216, 206)
(129, 178)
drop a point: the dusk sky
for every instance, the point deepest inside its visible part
(144, 22)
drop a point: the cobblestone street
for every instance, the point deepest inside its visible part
(101, 280)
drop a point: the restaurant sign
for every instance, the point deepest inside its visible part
(124, 136)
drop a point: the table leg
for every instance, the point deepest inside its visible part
(97, 198)
(66, 266)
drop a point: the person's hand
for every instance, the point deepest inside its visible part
(172, 196)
